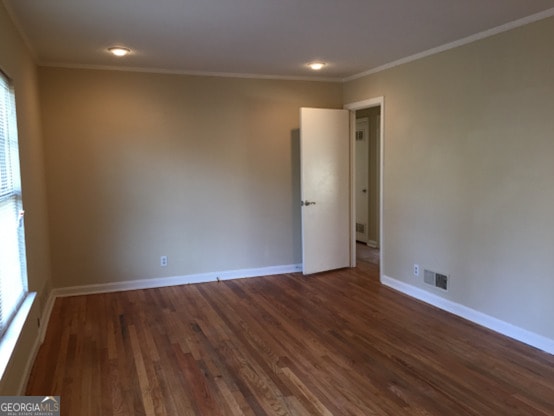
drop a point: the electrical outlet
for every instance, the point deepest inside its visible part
(416, 270)
(163, 261)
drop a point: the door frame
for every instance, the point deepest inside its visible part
(352, 107)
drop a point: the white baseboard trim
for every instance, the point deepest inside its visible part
(175, 280)
(497, 325)
(44, 319)
(372, 243)
(28, 367)
(133, 285)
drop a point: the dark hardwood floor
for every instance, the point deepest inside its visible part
(336, 343)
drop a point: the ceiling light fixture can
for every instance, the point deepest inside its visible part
(119, 50)
(316, 66)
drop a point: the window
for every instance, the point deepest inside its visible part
(13, 273)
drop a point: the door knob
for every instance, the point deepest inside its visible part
(306, 203)
(364, 190)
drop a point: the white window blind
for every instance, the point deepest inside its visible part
(13, 273)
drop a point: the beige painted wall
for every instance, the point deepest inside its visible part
(18, 64)
(469, 172)
(201, 169)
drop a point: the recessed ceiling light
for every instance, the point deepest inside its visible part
(119, 51)
(316, 66)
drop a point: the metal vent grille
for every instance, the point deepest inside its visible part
(441, 281)
(360, 228)
(435, 279)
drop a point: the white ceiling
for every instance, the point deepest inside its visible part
(259, 37)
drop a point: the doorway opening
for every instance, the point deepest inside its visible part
(366, 120)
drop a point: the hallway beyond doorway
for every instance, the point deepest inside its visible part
(367, 254)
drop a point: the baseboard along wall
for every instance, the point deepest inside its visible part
(487, 321)
(497, 325)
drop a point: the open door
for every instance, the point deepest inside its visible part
(325, 189)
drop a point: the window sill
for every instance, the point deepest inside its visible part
(9, 340)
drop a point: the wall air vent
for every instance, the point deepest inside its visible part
(441, 281)
(429, 277)
(360, 228)
(435, 279)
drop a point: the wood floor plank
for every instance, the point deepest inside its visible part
(337, 343)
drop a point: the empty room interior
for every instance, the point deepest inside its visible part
(207, 225)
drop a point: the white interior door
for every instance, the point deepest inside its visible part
(325, 189)
(362, 178)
